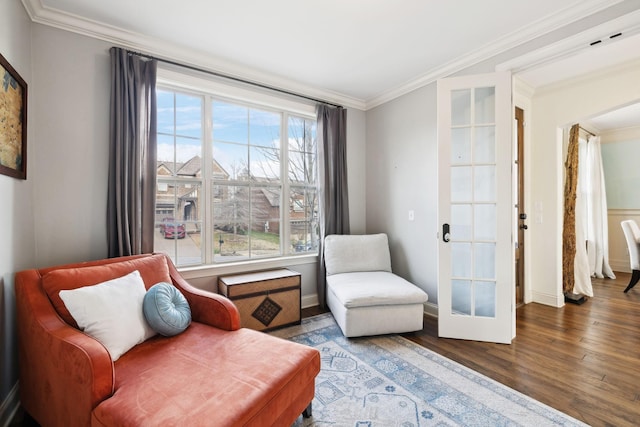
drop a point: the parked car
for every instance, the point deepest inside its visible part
(171, 229)
(304, 247)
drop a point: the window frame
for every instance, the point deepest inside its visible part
(212, 89)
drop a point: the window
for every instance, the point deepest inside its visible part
(235, 180)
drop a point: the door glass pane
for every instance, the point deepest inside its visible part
(461, 107)
(461, 297)
(460, 145)
(485, 101)
(460, 222)
(484, 183)
(485, 299)
(484, 222)
(484, 261)
(484, 148)
(461, 184)
(461, 260)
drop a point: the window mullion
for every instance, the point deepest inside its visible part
(206, 233)
(285, 217)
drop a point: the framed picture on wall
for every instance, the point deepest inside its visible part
(13, 122)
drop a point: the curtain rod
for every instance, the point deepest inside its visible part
(590, 133)
(228, 77)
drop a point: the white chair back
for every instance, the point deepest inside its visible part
(632, 235)
(350, 253)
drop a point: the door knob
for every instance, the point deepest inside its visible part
(524, 227)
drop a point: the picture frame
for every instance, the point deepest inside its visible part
(13, 122)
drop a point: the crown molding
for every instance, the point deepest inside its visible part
(631, 133)
(522, 87)
(571, 13)
(628, 25)
(134, 41)
(581, 80)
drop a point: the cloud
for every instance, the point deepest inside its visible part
(182, 154)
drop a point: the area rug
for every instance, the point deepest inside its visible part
(387, 381)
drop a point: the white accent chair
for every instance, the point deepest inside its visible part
(632, 235)
(364, 296)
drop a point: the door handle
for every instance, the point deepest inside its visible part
(524, 227)
(445, 233)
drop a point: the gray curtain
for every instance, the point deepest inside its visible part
(132, 154)
(332, 171)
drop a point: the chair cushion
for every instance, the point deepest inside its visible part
(363, 289)
(111, 312)
(348, 253)
(166, 309)
(207, 376)
(153, 269)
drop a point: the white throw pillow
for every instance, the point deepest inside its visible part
(111, 312)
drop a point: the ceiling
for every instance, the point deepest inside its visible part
(359, 52)
(621, 118)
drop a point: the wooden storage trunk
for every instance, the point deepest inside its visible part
(266, 299)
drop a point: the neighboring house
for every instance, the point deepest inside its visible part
(179, 200)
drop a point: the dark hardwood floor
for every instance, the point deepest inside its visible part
(583, 360)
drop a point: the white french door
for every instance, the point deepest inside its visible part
(475, 251)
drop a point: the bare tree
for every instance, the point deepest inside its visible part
(301, 171)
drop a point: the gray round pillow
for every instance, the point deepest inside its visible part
(166, 309)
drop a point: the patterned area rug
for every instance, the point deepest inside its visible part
(389, 381)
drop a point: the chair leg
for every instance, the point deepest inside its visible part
(307, 411)
(635, 276)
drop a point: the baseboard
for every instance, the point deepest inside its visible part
(9, 407)
(309, 301)
(622, 266)
(431, 309)
(547, 299)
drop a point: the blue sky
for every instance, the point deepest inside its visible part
(239, 133)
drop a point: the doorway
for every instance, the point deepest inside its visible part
(520, 206)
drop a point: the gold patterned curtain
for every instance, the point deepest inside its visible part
(569, 230)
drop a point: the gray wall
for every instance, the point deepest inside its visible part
(71, 116)
(401, 176)
(16, 216)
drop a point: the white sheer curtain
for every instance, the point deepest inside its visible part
(582, 271)
(593, 205)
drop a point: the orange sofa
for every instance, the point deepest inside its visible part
(212, 374)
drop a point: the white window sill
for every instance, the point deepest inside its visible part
(203, 271)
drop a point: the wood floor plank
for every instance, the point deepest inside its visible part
(583, 360)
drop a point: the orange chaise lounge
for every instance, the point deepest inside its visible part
(214, 373)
